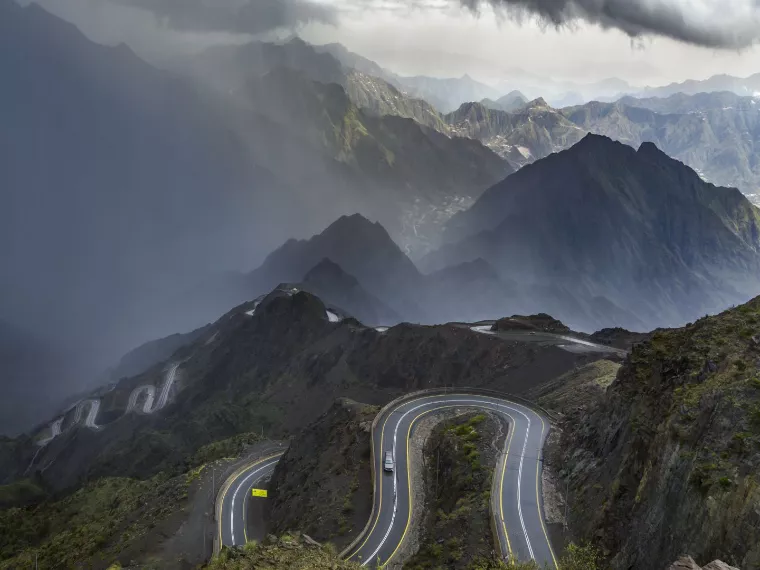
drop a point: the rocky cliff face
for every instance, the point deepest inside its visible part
(667, 462)
(323, 485)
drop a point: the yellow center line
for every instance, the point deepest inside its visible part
(379, 483)
(538, 500)
(379, 478)
(409, 476)
(501, 485)
(229, 483)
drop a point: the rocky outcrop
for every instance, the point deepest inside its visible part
(687, 563)
(667, 461)
(323, 484)
(540, 322)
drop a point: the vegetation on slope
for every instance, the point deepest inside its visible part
(323, 483)
(458, 533)
(91, 527)
(108, 519)
(578, 388)
(675, 444)
(290, 551)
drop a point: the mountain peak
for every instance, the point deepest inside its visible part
(328, 269)
(650, 149)
(595, 143)
(540, 102)
(355, 223)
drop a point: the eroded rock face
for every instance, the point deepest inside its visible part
(718, 565)
(667, 460)
(684, 563)
(687, 563)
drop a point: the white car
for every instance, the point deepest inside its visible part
(388, 461)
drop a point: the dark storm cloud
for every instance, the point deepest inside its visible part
(240, 16)
(708, 23)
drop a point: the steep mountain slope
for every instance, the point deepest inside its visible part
(638, 229)
(379, 97)
(718, 134)
(360, 247)
(533, 131)
(329, 282)
(412, 178)
(323, 483)
(666, 462)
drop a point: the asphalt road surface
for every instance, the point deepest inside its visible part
(234, 497)
(521, 529)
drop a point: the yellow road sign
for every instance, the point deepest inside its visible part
(259, 492)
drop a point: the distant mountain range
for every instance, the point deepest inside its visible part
(717, 134)
(445, 94)
(746, 86)
(534, 130)
(512, 101)
(722, 149)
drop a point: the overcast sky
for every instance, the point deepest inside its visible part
(443, 38)
(452, 41)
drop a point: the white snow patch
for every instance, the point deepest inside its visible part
(381, 329)
(332, 317)
(252, 311)
(483, 329)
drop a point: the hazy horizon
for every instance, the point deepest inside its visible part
(489, 44)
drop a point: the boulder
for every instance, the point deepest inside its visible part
(684, 563)
(687, 563)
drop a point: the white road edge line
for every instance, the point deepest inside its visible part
(519, 490)
(519, 475)
(234, 496)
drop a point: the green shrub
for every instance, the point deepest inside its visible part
(585, 557)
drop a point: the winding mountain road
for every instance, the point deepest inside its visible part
(233, 499)
(150, 392)
(517, 497)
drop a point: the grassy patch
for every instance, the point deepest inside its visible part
(459, 526)
(92, 525)
(289, 551)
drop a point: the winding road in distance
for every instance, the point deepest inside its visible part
(517, 492)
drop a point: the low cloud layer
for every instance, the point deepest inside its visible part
(708, 23)
(237, 16)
